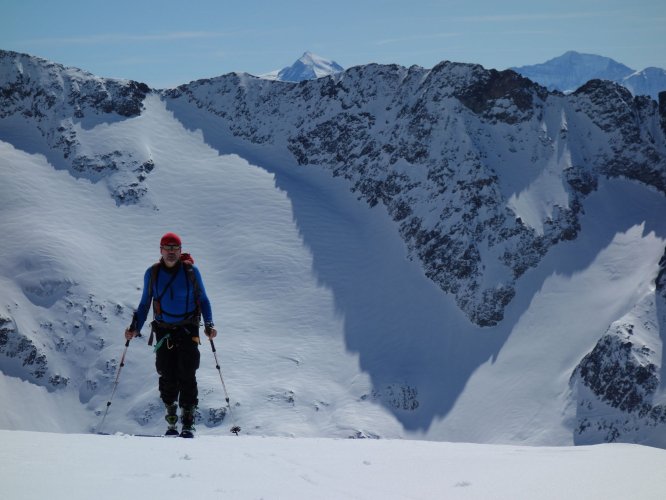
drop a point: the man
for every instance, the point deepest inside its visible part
(179, 300)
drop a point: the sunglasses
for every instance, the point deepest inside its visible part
(170, 248)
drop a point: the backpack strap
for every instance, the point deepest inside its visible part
(189, 271)
(157, 308)
(151, 282)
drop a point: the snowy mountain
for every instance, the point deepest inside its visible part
(573, 69)
(309, 67)
(390, 251)
(650, 81)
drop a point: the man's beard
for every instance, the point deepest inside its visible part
(171, 259)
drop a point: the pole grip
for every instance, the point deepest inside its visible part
(133, 325)
(212, 345)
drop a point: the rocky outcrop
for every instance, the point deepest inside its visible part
(620, 372)
(618, 380)
(635, 150)
(36, 88)
(615, 384)
(53, 101)
(21, 355)
(662, 111)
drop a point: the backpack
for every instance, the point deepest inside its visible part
(187, 262)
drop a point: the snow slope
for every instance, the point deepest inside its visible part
(269, 302)
(106, 467)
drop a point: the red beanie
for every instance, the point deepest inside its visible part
(170, 239)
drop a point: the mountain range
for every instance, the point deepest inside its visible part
(565, 73)
(452, 253)
(573, 69)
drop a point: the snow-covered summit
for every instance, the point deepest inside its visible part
(649, 81)
(308, 67)
(572, 69)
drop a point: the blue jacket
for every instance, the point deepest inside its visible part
(176, 296)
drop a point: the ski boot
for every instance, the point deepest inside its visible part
(172, 420)
(187, 417)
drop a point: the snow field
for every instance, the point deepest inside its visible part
(72, 467)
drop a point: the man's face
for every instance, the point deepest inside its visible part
(170, 254)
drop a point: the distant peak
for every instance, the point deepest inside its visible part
(309, 67)
(573, 69)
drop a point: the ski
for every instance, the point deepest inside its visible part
(170, 433)
(133, 435)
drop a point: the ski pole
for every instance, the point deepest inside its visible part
(235, 429)
(133, 326)
(115, 386)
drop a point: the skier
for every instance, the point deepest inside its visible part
(179, 300)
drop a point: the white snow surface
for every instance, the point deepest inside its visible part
(75, 466)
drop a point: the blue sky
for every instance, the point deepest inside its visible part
(166, 43)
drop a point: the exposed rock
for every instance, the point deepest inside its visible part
(18, 350)
(662, 110)
(398, 396)
(53, 98)
(615, 384)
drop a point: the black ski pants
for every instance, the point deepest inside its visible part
(177, 362)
